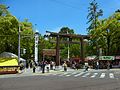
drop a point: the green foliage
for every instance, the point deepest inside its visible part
(93, 14)
(9, 33)
(107, 35)
(74, 49)
(66, 30)
(27, 38)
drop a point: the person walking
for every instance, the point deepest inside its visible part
(97, 65)
(108, 65)
(34, 67)
(51, 65)
(65, 66)
(86, 67)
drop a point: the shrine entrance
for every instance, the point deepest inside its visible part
(70, 38)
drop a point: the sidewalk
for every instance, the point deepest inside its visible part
(58, 70)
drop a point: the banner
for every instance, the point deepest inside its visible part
(106, 58)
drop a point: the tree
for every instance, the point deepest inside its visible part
(9, 25)
(107, 34)
(73, 49)
(8, 32)
(93, 14)
(27, 38)
(66, 30)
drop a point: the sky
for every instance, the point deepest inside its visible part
(52, 15)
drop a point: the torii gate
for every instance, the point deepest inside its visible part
(70, 36)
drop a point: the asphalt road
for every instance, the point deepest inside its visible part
(58, 83)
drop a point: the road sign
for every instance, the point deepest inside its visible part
(106, 58)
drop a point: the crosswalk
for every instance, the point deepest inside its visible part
(87, 74)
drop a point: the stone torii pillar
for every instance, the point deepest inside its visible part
(82, 49)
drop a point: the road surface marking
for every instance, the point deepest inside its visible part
(68, 75)
(94, 75)
(74, 73)
(86, 75)
(71, 74)
(111, 75)
(63, 74)
(102, 75)
(79, 74)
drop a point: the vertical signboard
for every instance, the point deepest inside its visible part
(36, 46)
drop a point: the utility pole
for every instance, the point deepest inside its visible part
(19, 43)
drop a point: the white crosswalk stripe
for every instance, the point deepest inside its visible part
(79, 74)
(74, 73)
(71, 74)
(63, 74)
(111, 75)
(87, 74)
(94, 75)
(68, 75)
(102, 75)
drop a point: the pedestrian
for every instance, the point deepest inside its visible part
(21, 66)
(65, 66)
(33, 67)
(40, 66)
(73, 66)
(77, 66)
(30, 63)
(54, 65)
(43, 66)
(86, 67)
(97, 65)
(51, 65)
(108, 65)
(47, 66)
